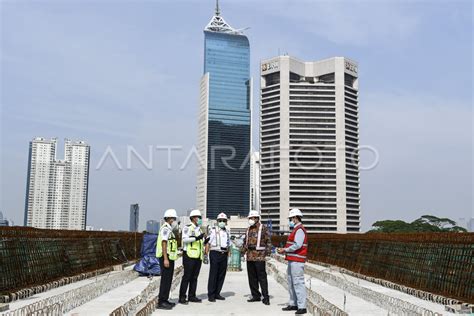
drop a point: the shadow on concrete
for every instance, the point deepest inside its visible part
(227, 294)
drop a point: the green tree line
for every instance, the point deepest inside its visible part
(426, 223)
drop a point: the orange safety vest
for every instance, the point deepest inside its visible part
(300, 254)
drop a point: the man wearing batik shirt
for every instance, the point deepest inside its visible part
(257, 246)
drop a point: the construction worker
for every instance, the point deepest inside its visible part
(167, 252)
(193, 254)
(295, 251)
(218, 250)
(257, 246)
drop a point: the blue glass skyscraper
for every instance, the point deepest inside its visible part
(224, 121)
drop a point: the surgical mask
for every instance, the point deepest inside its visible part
(174, 225)
(251, 222)
(292, 224)
(199, 222)
(221, 225)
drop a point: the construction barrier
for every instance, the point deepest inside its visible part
(32, 257)
(439, 263)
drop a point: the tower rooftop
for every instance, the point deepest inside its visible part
(219, 25)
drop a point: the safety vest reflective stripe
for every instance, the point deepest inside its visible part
(294, 255)
(259, 238)
(172, 246)
(298, 255)
(216, 243)
(292, 243)
(194, 249)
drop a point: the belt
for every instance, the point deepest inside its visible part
(220, 251)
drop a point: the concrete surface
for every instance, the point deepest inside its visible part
(107, 302)
(236, 291)
(61, 289)
(439, 308)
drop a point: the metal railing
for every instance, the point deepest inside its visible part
(34, 260)
(438, 263)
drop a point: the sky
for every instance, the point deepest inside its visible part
(124, 75)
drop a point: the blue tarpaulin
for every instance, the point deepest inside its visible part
(148, 264)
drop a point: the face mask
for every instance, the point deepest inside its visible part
(199, 222)
(292, 224)
(221, 224)
(174, 225)
(251, 222)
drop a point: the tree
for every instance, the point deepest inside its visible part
(426, 223)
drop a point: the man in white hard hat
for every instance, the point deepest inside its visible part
(257, 246)
(167, 252)
(296, 250)
(193, 252)
(218, 250)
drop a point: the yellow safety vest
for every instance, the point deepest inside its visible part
(172, 248)
(194, 249)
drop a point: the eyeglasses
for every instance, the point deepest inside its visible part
(222, 221)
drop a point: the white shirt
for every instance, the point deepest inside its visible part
(166, 231)
(219, 238)
(188, 236)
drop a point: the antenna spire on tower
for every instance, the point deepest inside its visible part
(218, 12)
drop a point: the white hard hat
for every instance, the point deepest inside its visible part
(195, 213)
(222, 216)
(253, 213)
(295, 212)
(170, 213)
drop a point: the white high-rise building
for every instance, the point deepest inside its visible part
(255, 181)
(309, 138)
(56, 191)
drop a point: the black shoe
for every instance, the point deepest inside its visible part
(220, 298)
(194, 300)
(253, 299)
(211, 299)
(290, 308)
(171, 303)
(300, 311)
(266, 301)
(183, 301)
(164, 305)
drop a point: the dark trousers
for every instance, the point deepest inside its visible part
(166, 279)
(191, 266)
(218, 269)
(257, 274)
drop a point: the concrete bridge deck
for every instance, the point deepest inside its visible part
(236, 291)
(330, 292)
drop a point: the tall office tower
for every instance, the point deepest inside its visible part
(57, 189)
(134, 217)
(3, 221)
(309, 138)
(255, 181)
(223, 183)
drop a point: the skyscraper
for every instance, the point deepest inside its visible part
(255, 181)
(224, 121)
(309, 138)
(3, 221)
(134, 217)
(56, 190)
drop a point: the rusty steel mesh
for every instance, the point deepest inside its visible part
(30, 256)
(440, 263)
